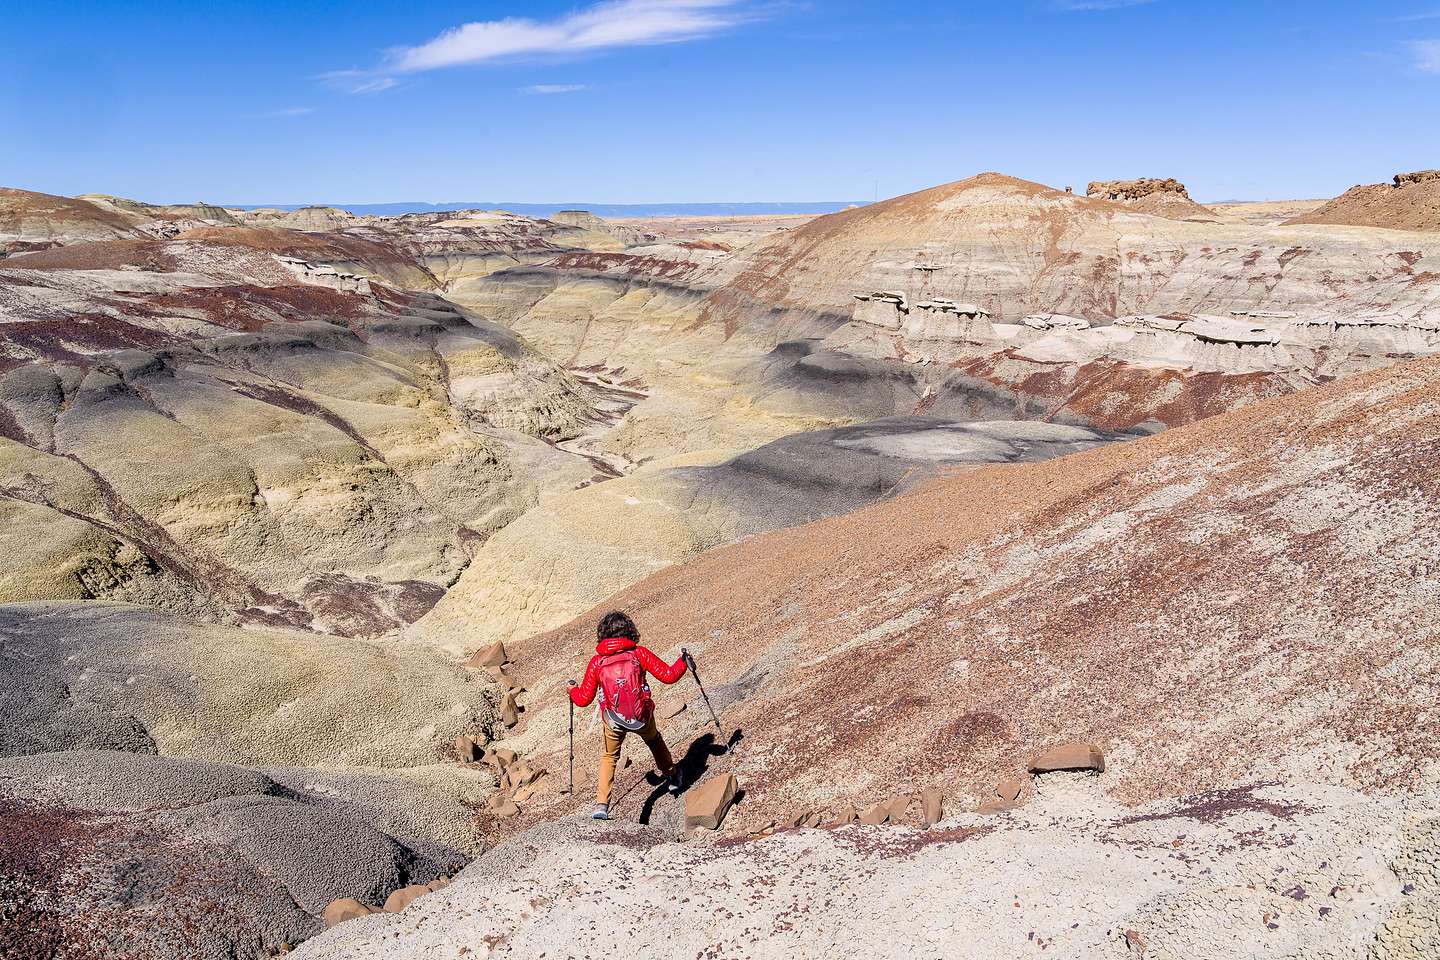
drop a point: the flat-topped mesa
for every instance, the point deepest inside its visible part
(1418, 176)
(1121, 190)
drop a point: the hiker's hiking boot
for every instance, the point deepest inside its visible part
(601, 811)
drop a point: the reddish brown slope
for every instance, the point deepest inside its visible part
(1251, 596)
(1398, 206)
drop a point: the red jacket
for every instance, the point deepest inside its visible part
(582, 695)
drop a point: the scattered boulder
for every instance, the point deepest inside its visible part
(530, 789)
(897, 805)
(505, 808)
(800, 818)
(1009, 790)
(876, 815)
(466, 749)
(405, 896)
(932, 803)
(708, 802)
(500, 757)
(492, 656)
(344, 909)
(846, 815)
(1068, 756)
(509, 710)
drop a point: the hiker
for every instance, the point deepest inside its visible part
(618, 671)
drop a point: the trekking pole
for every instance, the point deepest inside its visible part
(572, 742)
(690, 662)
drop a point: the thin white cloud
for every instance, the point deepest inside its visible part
(553, 88)
(289, 112)
(614, 23)
(357, 81)
(1427, 55)
(1089, 6)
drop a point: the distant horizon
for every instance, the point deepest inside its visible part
(600, 209)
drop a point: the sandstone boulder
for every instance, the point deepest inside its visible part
(440, 883)
(466, 750)
(345, 909)
(708, 802)
(1068, 756)
(509, 710)
(405, 896)
(846, 815)
(1009, 790)
(876, 815)
(932, 803)
(492, 656)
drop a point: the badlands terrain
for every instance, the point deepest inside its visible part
(1061, 566)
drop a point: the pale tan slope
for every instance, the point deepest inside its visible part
(1250, 597)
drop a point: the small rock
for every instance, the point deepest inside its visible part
(673, 710)
(506, 809)
(995, 805)
(798, 819)
(1069, 756)
(509, 710)
(1010, 790)
(530, 789)
(1135, 942)
(440, 883)
(405, 896)
(876, 815)
(345, 909)
(932, 803)
(846, 815)
(466, 749)
(707, 803)
(501, 757)
(492, 656)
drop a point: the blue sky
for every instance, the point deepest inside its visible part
(708, 100)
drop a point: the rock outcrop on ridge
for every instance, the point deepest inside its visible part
(1163, 198)
(1410, 202)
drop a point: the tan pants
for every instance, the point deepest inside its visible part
(613, 741)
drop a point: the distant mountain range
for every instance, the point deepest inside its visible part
(608, 210)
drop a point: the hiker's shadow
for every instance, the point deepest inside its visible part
(692, 767)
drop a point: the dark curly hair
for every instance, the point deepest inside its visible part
(616, 624)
